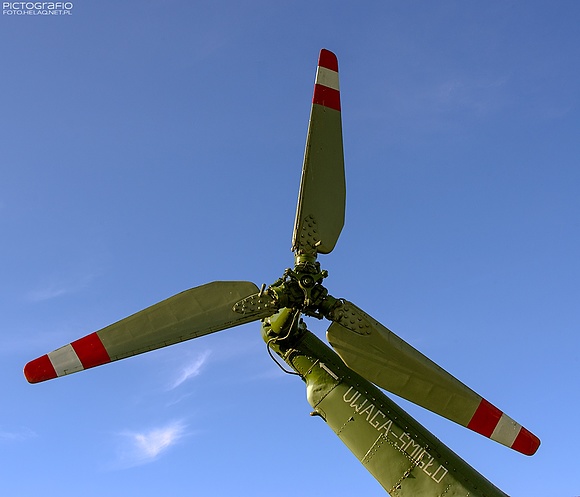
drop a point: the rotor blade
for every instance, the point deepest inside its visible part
(376, 353)
(189, 314)
(321, 201)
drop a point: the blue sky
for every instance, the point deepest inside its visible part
(149, 147)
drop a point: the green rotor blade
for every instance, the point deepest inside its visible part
(375, 352)
(189, 314)
(322, 197)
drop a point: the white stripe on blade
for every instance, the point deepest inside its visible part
(65, 360)
(506, 431)
(327, 77)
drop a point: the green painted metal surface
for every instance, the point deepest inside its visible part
(321, 203)
(391, 363)
(189, 314)
(404, 457)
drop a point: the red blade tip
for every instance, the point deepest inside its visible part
(328, 59)
(526, 442)
(40, 369)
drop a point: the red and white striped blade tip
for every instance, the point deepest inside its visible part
(326, 86)
(492, 423)
(84, 353)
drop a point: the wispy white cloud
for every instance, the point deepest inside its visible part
(55, 289)
(190, 370)
(17, 435)
(147, 446)
(477, 96)
(47, 293)
(429, 104)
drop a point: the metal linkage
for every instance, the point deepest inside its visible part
(299, 288)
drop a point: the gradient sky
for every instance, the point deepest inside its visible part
(149, 147)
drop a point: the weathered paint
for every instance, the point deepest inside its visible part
(378, 354)
(404, 457)
(189, 314)
(321, 200)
